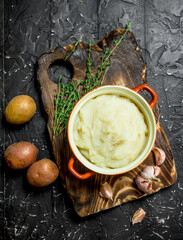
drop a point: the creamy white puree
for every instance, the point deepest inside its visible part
(110, 131)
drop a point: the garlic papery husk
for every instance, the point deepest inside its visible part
(143, 184)
(151, 173)
(106, 190)
(138, 216)
(159, 155)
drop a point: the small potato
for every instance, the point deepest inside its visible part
(20, 109)
(42, 173)
(20, 155)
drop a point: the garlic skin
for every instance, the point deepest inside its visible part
(151, 173)
(143, 184)
(138, 216)
(157, 170)
(159, 156)
(106, 190)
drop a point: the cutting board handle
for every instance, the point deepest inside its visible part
(150, 90)
(46, 60)
(75, 173)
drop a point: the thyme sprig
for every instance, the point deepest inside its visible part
(66, 98)
(87, 84)
(69, 93)
(108, 53)
(73, 50)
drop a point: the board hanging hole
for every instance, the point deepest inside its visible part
(62, 69)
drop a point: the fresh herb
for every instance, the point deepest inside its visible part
(87, 84)
(69, 93)
(65, 100)
(73, 50)
(108, 53)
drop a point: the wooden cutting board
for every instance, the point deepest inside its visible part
(127, 69)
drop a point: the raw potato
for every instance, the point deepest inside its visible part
(20, 155)
(42, 173)
(20, 109)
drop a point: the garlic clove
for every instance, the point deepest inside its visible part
(147, 172)
(151, 173)
(106, 190)
(138, 216)
(159, 155)
(143, 184)
(157, 171)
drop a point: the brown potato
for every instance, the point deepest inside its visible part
(42, 173)
(20, 155)
(20, 109)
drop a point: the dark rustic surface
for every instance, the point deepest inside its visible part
(32, 27)
(127, 69)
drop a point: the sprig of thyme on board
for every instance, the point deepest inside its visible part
(73, 50)
(68, 93)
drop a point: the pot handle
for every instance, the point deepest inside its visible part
(150, 90)
(75, 173)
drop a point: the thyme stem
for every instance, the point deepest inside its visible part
(74, 48)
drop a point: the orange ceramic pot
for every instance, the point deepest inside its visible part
(145, 107)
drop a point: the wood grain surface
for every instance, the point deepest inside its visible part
(127, 69)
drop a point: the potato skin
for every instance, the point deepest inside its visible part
(20, 155)
(42, 173)
(20, 109)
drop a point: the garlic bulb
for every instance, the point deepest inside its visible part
(106, 190)
(143, 184)
(159, 155)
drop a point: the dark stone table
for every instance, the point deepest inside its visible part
(28, 28)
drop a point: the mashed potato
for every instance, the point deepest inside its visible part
(110, 131)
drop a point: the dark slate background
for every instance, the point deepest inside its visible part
(28, 28)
